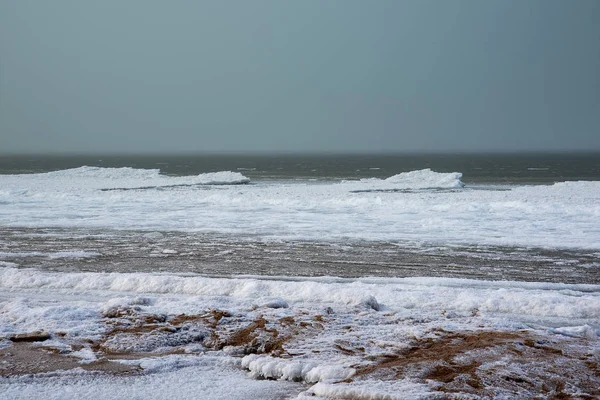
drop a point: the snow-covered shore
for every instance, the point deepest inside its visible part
(337, 337)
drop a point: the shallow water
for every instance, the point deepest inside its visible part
(70, 250)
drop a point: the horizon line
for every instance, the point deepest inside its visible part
(292, 153)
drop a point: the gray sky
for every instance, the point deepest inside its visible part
(298, 76)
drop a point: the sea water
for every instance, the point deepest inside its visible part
(516, 217)
(362, 252)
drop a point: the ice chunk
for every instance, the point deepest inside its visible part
(584, 331)
(414, 180)
(371, 302)
(277, 302)
(275, 368)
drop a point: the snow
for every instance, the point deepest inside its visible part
(585, 331)
(277, 302)
(377, 315)
(7, 264)
(273, 368)
(534, 300)
(210, 378)
(376, 390)
(399, 209)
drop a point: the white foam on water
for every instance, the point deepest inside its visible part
(78, 254)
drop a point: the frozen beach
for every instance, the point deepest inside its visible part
(125, 282)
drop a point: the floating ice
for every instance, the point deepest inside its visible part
(426, 179)
(94, 178)
(399, 209)
(413, 180)
(73, 254)
(277, 302)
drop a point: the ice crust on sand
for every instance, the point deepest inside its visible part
(205, 377)
(327, 337)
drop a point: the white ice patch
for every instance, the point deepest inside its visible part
(93, 178)
(529, 301)
(420, 179)
(116, 306)
(221, 178)
(73, 254)
(8, 264)
(85, 354)
(333, 323)
(207, 378)
(277, 368)
(74, 318)
(584, 331)
(277, 302)
(375, 390)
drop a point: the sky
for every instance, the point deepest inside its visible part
(147, 76)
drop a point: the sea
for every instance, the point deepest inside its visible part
(301, 276)
(517, 216)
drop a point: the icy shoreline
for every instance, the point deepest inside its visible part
(339, 337)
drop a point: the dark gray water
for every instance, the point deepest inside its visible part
(221, 255)
(476, 168)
